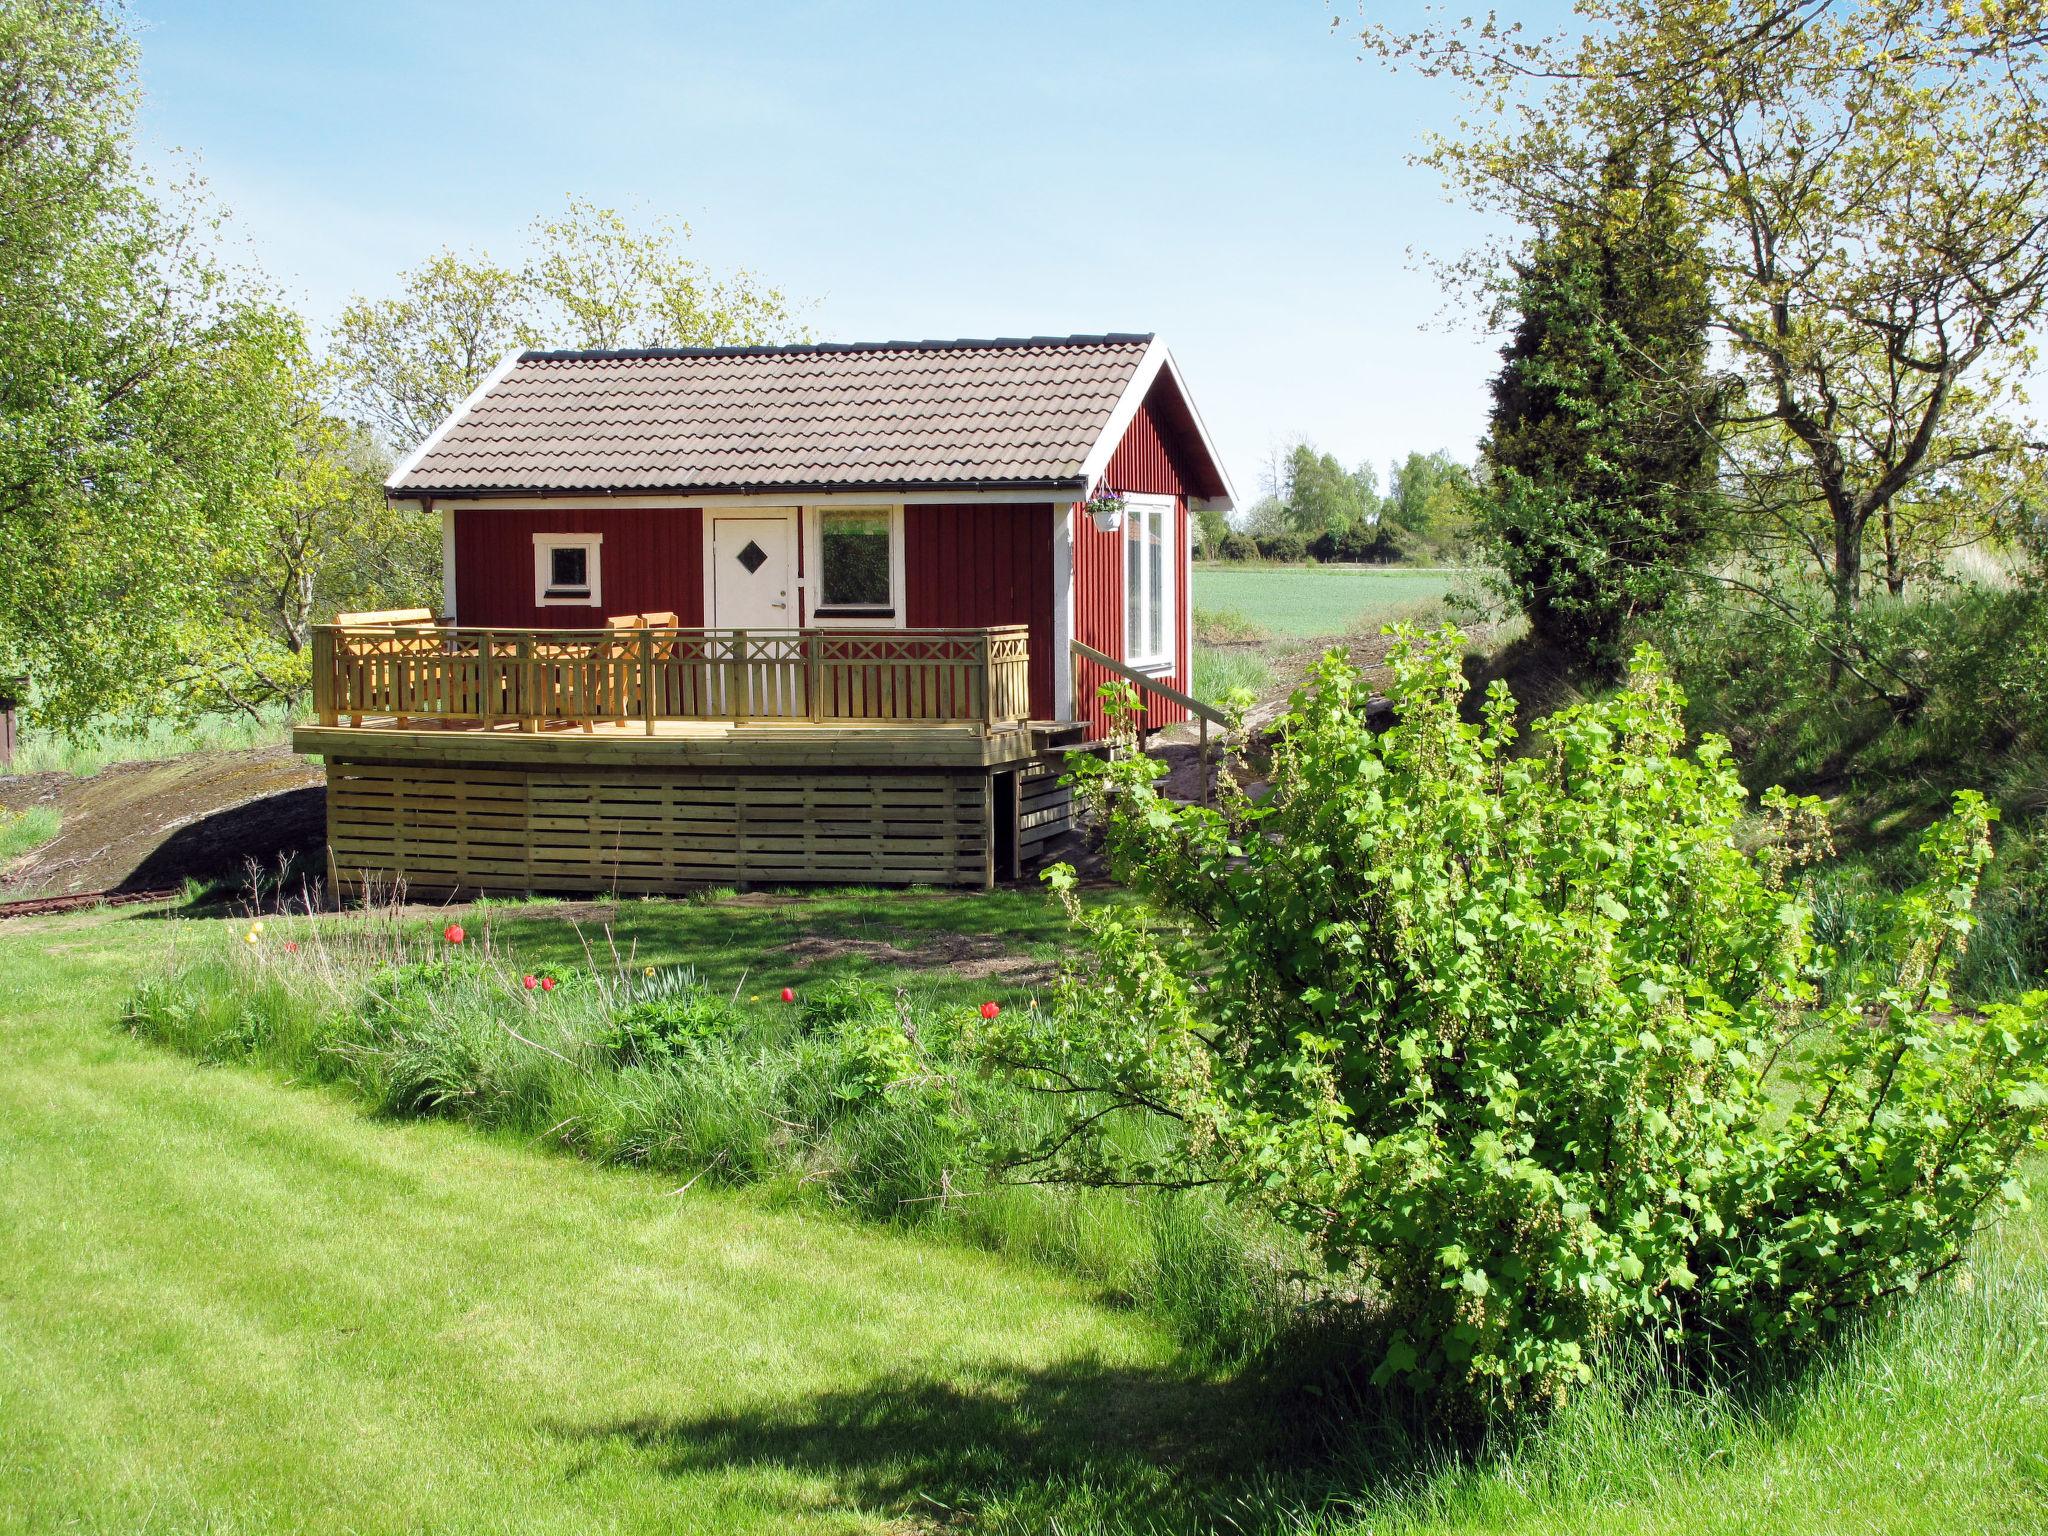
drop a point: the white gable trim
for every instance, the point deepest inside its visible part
(407, 464)
(1156, 360)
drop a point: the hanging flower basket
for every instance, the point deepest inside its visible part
(1108, 511)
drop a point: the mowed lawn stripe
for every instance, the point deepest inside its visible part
(228, 1304)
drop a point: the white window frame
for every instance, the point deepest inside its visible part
(814, 569)
(1168, 552)
(544, 547)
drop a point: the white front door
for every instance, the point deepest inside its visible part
(753, 572)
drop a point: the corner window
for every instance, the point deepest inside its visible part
(566, 570)
(1149, 567)
(856, 563)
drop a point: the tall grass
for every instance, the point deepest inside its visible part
(1221, 671)
(850, 1097)
(83, 756)
(26, 830)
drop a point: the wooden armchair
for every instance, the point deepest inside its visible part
(623, 625)
(349, 647)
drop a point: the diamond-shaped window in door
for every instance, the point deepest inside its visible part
(753, 557)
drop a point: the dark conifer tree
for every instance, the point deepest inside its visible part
(1602, 439)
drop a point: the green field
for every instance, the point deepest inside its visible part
(234, 1304)
(1315, 601)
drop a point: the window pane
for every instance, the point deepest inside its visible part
(1155, 583)
(853, 559)
(569, 566)
(1134, 582)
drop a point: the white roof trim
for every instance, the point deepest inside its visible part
(411, 461)
(1156, 359)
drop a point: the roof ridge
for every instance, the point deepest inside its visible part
(798, 349)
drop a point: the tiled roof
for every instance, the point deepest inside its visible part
(894, 414)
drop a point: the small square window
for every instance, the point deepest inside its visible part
(565, 569)
(570, 571)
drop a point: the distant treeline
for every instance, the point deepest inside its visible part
(1315, 509)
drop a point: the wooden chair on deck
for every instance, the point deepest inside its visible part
(393, 645)
(622, 624)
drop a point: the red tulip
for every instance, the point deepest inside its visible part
(291, 946)
(789, 994)
(453, 933)
(528, 982)
(990, 1010)
(547, 983)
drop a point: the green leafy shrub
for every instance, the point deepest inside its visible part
(1291, 548)
(672, 1025)
(834, 1004)
(1529, 1046)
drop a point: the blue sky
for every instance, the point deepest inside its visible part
(1231, 176)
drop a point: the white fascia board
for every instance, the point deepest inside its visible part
(411, 461)
(1155, 360)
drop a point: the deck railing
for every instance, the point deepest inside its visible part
(538, 678)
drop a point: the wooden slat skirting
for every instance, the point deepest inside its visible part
(537, 828)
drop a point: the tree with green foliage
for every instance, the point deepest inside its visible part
(1427, 509)
(144, 385)
(590, 278)
(1869, 180)
(323, 539)
(1527, 1043)
(408, 361)
(1602, 444)
(1322, 497)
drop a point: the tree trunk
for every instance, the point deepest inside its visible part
(1848, 584)
(1894, 556)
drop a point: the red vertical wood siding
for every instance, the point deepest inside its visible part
(652, 561)
(1147, 462)
(971, 565)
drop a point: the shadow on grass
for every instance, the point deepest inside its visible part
(1079, 1447)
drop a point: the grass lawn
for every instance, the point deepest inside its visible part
(232, 1304)
(1314, 601)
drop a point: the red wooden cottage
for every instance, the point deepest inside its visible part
(765, 613)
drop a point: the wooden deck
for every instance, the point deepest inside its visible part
(666, 760)
(530, 680)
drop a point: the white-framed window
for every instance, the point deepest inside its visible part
(856, 565)
(1151, 558)
(567, 570)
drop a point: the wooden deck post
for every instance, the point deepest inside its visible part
(983, 694)
(741, 691)
(813, 677)
(647, 678)
(323, 676)
(526, 680)
(487, 679)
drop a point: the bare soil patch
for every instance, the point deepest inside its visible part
(973, 955)
(153, 825)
